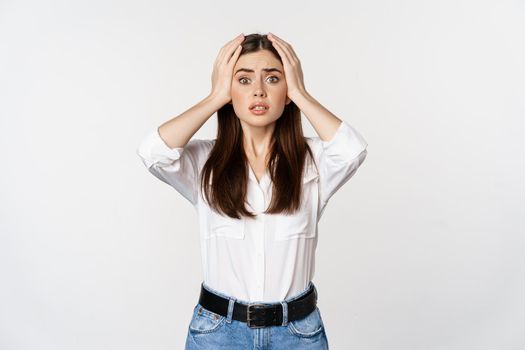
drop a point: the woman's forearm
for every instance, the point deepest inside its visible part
(177, 131)
(323, 121)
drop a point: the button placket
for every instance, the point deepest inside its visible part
(258, 204)
(260, 256)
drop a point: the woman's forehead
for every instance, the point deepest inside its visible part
(258, 60)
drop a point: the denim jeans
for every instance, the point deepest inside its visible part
(208, 330)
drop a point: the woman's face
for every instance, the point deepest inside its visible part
(259, 77)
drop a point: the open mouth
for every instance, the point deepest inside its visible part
(259, 107)
(258, 110)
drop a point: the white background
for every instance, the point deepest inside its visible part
(421, 249)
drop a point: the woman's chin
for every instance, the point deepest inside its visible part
(258, 120)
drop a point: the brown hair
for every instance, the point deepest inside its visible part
(226, 192)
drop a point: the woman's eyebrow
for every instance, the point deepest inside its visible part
(252, 71)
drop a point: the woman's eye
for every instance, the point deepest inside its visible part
(276, 79)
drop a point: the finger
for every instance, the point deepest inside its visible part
(233, 50)
(235, 56)
(287, 47)
(292, 52)
(279, 43)
(223, 49)
(282, 51)
(229, 48)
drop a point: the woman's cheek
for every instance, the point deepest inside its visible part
(237, 106)
(236, 98)
(282, 94)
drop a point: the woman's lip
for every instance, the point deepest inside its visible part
(259, 104)
(259, 112)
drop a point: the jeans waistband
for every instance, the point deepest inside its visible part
(296, 296)
(303, 298)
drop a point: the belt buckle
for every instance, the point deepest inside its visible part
(257, 306)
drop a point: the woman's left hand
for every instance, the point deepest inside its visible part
(292, 66)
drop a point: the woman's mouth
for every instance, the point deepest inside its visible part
(259, 108)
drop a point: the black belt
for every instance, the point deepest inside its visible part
(259, 315)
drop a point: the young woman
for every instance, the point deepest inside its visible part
(259, 189)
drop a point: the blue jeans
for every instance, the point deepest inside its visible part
(208, 330)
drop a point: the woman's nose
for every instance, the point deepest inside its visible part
(259, 90)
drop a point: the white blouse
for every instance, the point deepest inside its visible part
(271, 257)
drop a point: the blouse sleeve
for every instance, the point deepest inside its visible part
(178, 167)
(338, 159)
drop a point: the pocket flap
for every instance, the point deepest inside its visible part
(225, 226)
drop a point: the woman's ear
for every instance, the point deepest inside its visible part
(288, 100)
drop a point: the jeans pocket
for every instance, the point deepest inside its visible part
(205, 321)
(308, 326)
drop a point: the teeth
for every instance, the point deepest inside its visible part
(259, 107)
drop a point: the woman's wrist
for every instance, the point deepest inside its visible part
(217, 100)
(299, 94)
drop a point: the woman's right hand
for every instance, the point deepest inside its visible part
(223, 69)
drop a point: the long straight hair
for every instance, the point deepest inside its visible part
(224, 176)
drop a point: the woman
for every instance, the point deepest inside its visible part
(259, 189)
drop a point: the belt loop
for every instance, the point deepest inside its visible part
(285, 313)
(231, 304)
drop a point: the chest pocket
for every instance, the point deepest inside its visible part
(300, 224)
(225, 226)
